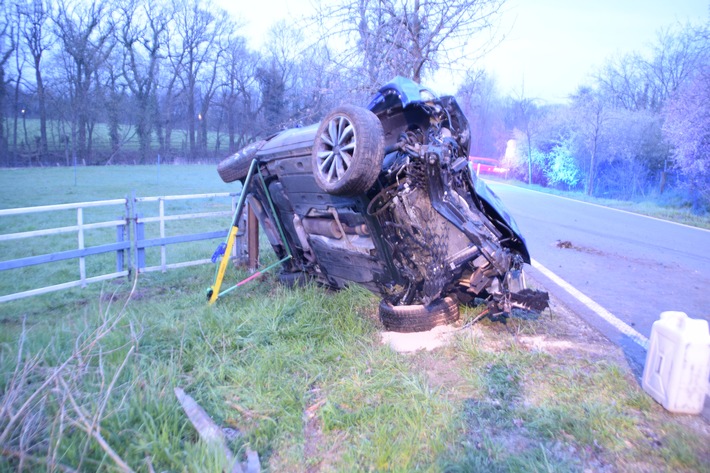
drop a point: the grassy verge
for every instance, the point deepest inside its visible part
(301, 377)
(666, 208)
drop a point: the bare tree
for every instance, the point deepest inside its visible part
(319, 86)
(592, 119)
(7, 49)
(37, 37)
(18, 84)
(687, 126)
(196, 30)
(208, 83)
(676, 57)
(525, 117)
(622, 81)
(410, 37)
(142, 35)
(482, 105)
(86, 32)
(645, 82)
(239, 91)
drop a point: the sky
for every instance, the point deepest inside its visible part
(550, 47)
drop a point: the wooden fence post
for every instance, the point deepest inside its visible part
(252, 240)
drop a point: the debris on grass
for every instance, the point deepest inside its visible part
(212, 434)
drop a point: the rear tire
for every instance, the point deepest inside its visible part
(236, 167)
(419, 318)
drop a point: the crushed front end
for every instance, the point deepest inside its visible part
(445, 231)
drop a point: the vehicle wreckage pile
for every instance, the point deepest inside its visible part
(386, 197)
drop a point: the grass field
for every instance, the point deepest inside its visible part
(301, 376)
(25, 187)
(101, 142)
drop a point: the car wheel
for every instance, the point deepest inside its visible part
(418, 318)
(348, 151)
(236, 167)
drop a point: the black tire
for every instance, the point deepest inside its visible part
(348, 151)
(236, 167)
(419, 318)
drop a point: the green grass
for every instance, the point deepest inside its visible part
(303, 378)
(300, 376)
(101, 141)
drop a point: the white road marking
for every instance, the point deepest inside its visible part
(593, 306)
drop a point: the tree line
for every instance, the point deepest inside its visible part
(640, 126)
(112, 81)
(178, 78)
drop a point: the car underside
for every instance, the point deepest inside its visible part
(386, 197)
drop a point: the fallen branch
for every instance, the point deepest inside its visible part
(87, 426)
(209, 432)
(212, 434)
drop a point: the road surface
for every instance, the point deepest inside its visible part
(633, 266)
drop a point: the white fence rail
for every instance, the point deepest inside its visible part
(129, 245)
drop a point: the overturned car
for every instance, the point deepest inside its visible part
(386, 197)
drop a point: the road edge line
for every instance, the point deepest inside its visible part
(605, 207)
(618, 324)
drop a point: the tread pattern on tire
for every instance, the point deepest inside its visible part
(419, 318)
(367, 157)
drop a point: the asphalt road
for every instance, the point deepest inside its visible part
(633, 266)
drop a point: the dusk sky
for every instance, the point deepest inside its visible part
(550, 47)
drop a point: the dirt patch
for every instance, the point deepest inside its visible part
(312, 440)
(563, 334)
(443, 372)
(410, 342)
(568, 245)
(502, 402)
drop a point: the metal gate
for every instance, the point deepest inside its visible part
(133, 237)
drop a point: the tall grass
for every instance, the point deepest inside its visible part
(300, 376)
